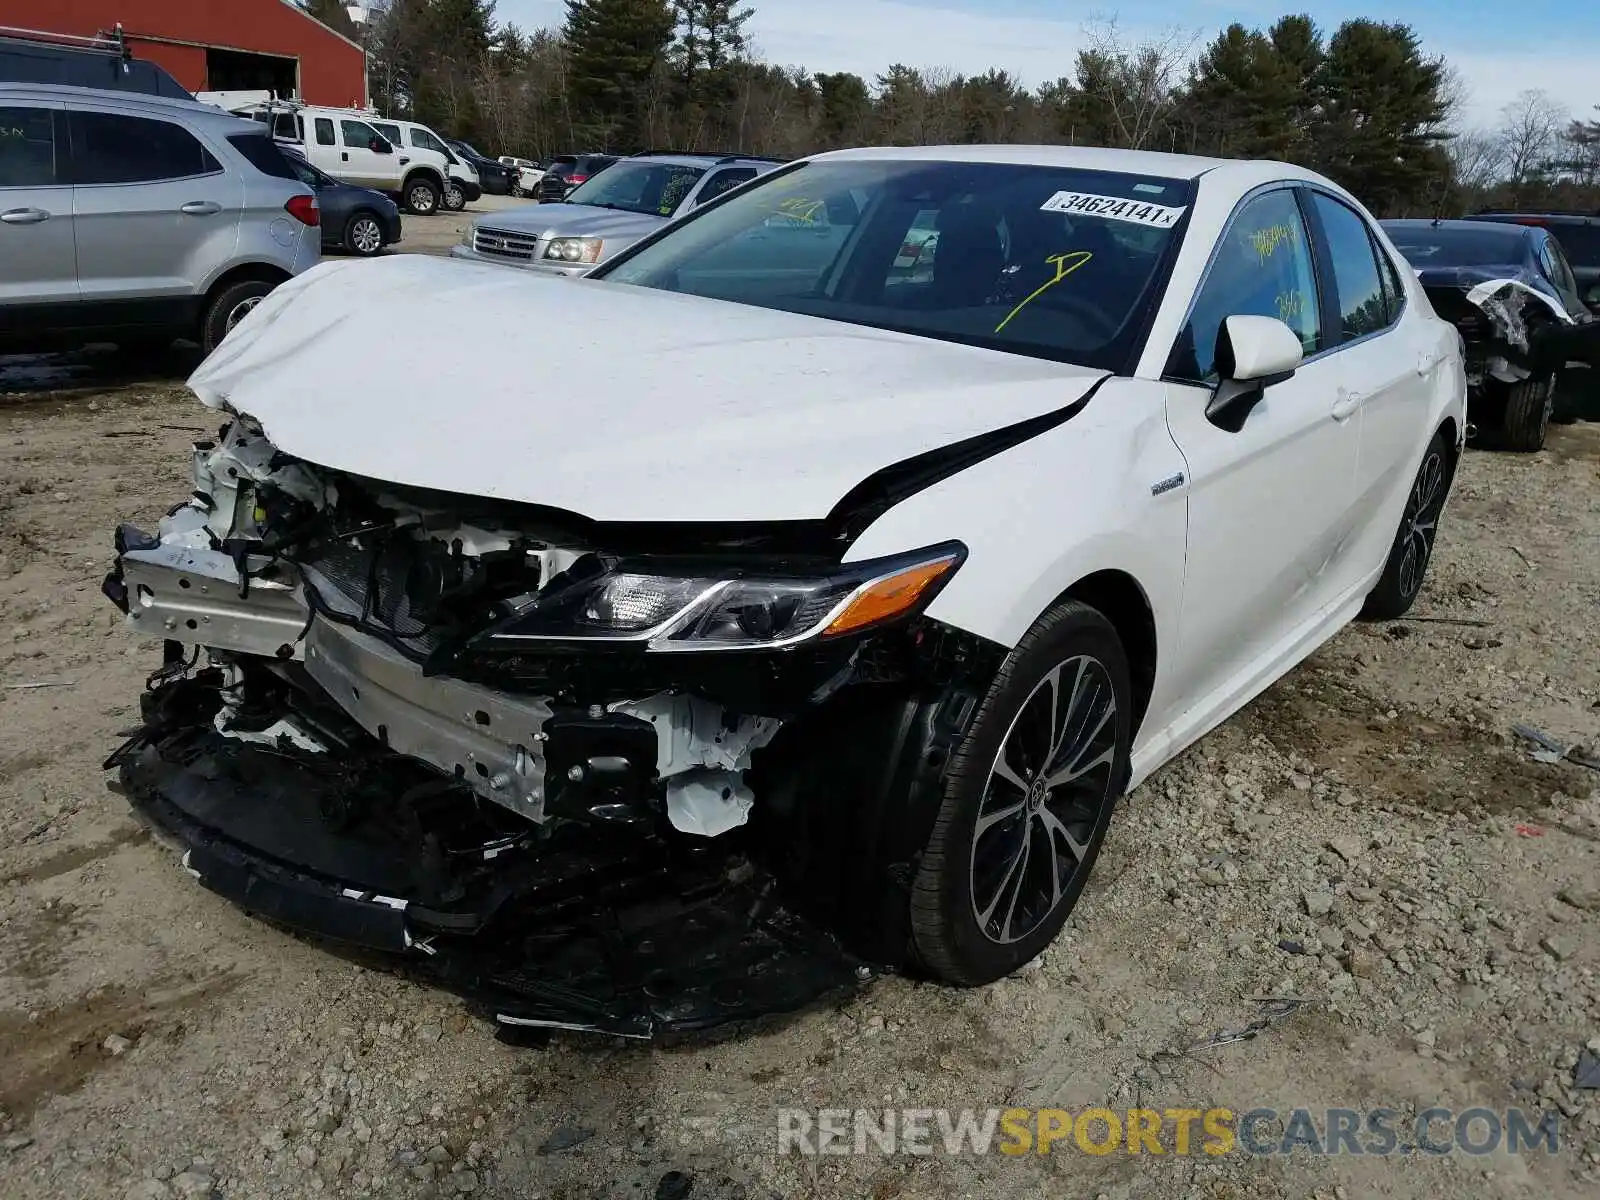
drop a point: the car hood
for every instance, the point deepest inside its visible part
(415, 371)
(574, 220)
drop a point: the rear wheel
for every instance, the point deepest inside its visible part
(422, 197)
(1027, 801)
(363, 235)
(1403, 573)
(230, 306)
(1529, 405)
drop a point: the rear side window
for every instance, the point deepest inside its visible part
(324, 132)
(1581, 243)
(287, 126)
(1362, 306)
(27, 148)
(563, 165)
(263, 154)
(111, 148)
(724, 181)
(1394, 295)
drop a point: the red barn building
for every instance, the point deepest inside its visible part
(217, 45)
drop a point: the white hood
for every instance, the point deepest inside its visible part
(616, 402)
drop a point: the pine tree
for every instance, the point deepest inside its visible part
(614, 49)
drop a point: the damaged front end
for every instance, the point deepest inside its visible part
(1513, 326)
(624, 779)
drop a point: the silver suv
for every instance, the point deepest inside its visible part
(610, 211)
(140, 219)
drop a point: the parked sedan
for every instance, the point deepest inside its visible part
(1511, 294)
(355, 219)
(496, 178)
(828, 633)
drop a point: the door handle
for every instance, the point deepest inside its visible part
(201, 208)
(1346, 405)
(344, 157)
(24, 216)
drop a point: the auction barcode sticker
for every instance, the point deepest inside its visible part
(1115, 208)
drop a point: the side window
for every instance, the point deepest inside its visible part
(724, 181)
(27, 148)
(1394, 293)
(392, 132)
(1362, 307)
(426, 140)
(286, 125)
(110, 148)
(324, 132)
(357, 135)
(1560, 271)
(1261, 267)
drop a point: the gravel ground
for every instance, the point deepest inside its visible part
(1368, 836)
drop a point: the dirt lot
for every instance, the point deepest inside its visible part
(157, 1043)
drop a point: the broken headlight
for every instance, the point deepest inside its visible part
(704, 610)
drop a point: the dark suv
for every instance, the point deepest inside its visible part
(28, 56)
(567, 171)
(1579, 235)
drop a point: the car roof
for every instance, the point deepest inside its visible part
(171, 106)
(691, 159)
(1485, 229)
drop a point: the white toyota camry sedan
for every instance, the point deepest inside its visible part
(814, 626)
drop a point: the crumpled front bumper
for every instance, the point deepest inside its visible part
(626, 936)
(349, 795)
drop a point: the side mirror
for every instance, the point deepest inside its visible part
(1252, 354)
(380, 145)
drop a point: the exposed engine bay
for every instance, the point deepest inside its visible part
(594, 788)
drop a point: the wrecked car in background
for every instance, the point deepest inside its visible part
(1511, 293)
(825, 638)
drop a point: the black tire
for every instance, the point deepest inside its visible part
(1528, 408)
(1564, 404)
(227, 308)
(964, 864)
(1403, 574)
(363, 234)
(422, 196)
(455, 197)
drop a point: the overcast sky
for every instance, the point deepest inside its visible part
(1499, 49)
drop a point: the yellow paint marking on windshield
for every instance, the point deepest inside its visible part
(1065, 264)
(1290, 305)
(801, 209)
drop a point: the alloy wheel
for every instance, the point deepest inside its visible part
(365, 235)
(454, 198)
(1048, 788)
(1421, 523)
(240, 311)
(422, 199)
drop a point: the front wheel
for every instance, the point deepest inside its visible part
(1529, 405)
(1027, 800)
(455, 199)
(422, 197)
(1412, 551)
(363, 235)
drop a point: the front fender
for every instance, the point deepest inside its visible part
(1037, 518)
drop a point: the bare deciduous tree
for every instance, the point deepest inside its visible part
(1530, 127)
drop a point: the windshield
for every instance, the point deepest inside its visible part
(1053, 262)
(1427, 246)
(655, 188)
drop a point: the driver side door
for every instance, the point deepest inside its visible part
(1272, 504)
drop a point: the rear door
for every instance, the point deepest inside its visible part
(1387, 369)
(154, 212)
(38, 259)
